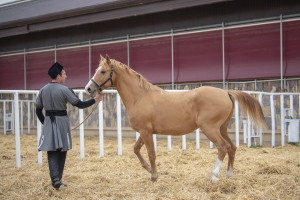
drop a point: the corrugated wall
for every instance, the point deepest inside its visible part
(250, 52)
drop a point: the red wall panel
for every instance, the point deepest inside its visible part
(12, 72)
(291, 48)
(117, 51)
(37, 66)
(76, 63)
(152, 58)
(198, 57)
(253, 52)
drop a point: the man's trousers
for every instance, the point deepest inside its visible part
(56, 161)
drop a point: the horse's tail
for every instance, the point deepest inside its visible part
(250, 106)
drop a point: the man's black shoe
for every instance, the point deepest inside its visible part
(57, 184)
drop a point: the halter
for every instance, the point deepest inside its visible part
(109, 79)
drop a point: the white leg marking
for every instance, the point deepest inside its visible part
(229, 172)
(216, 170)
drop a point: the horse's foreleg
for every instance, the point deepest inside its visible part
(148, 140)
(137, 150)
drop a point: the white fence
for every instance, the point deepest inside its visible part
(249, 131)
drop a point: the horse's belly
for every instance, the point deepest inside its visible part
(174, 127)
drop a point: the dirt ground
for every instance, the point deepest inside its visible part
(259, 173)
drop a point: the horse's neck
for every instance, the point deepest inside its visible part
(127, 84)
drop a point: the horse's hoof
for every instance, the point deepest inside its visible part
(154, 178)
(214, 179)
(229, 173)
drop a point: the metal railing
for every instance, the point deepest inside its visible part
(236, 118)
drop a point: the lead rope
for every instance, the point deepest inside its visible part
(86, 117)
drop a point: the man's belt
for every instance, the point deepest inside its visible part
(53, 113)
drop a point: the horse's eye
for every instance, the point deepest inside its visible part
(103, 72)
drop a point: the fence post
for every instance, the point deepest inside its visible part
(260, 128)
(4, 117)
(21, 124)
(249, 131)
(282, 119)
(237, 124)
(81, 129)
(101, 142)
(272, 119)
(154, 141)
(17, 129)
(169, 142)
(119, 125)
(198, 139)
(28, 119)
(184, 142)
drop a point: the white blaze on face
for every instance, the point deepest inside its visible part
(90, 82)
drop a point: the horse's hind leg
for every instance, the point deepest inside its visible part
(137, 150)
(232, 150)
(214, 135)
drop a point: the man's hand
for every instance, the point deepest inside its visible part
(98, 97)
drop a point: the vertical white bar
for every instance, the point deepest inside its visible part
(169, 143)
(81, 129)
(282, 119)
(25, 70)
(28, 115)
(4, 117)
(154, 141)
(172, 57)
(237, 123)
(223, 54)
(211, 145)
(137, 135)
(17, 129)
(22, 121)
(90, 64)
(39, 133)
(101, 133)
(119, 125)
(292, 106)
(249, 131)
(198, 139)
(272, 119)
(299, 109)
(13, 123)
(184, 142)
(281, 55)
(245, 128)
(259, 129)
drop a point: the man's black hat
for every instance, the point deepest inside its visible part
(54, 70)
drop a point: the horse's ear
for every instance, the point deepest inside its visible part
(101, 57)
(107, 59)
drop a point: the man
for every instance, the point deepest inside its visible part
(56, 136)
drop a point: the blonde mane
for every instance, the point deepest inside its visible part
(143, 83)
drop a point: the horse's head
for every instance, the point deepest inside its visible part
(102, 78)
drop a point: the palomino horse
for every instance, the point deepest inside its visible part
(152, 110)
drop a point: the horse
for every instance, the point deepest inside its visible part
(152, 110)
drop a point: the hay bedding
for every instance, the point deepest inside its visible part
(260, 173)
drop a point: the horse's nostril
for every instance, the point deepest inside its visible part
(89, 90)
